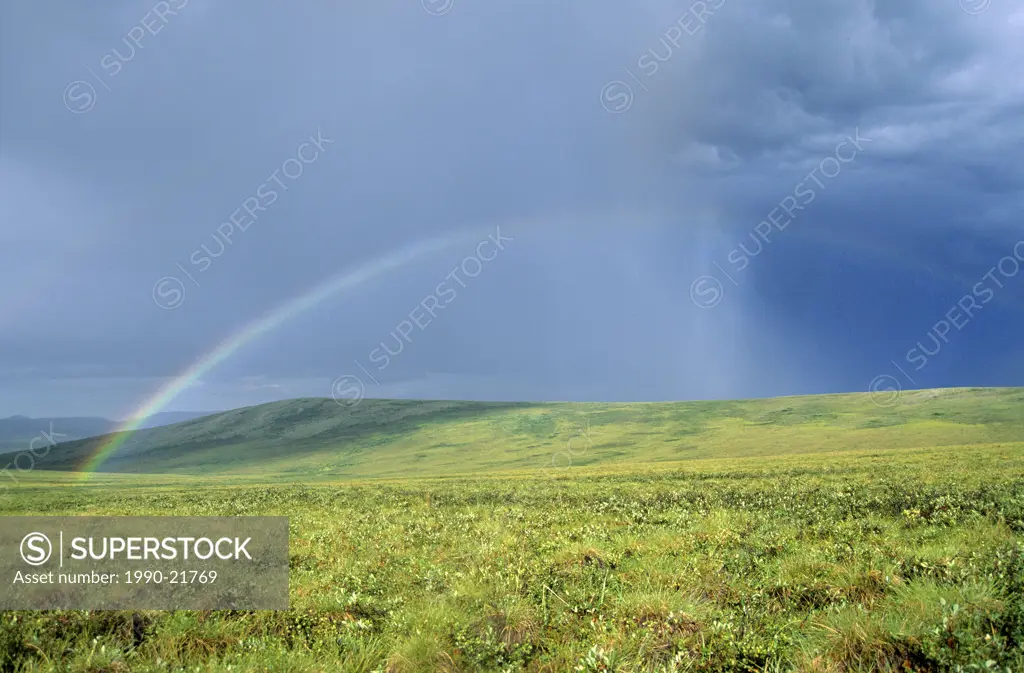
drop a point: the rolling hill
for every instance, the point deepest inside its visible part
(308, 438)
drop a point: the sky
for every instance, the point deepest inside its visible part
(530, 200)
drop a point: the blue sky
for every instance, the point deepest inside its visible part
(628, 150)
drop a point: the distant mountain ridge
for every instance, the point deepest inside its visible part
(16, 432)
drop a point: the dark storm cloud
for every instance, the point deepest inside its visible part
(131, 131)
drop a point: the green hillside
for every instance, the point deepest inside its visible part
(306, 438)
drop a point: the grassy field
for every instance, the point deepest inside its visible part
(810, 534)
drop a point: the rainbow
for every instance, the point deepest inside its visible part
(343, 281)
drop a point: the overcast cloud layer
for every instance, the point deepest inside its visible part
(866, 155)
